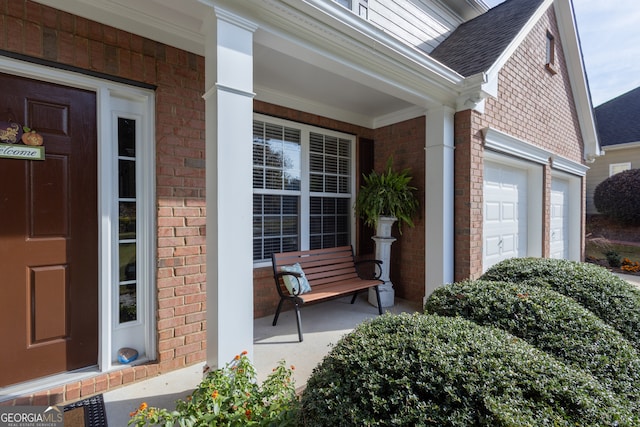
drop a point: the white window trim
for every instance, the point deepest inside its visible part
(305, 130)
(106, 92)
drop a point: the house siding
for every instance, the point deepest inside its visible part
(599, 170)
(42, 32)
(421, 24)
(532, 105)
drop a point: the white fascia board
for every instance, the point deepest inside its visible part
(577, 77)
(505, 143)
(625, 146)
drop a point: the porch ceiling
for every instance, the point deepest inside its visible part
(286, 80)
(295, 75)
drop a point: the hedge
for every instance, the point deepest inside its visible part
(619, 197)
(421, 370)
(611, 298)
(550, 321)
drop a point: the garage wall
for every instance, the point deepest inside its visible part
(534, 106)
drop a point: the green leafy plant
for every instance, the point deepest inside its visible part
(408, 370)
(619, 197)
(550, 321)
(613, 258)
(388, 194)
(609, 297)
(231, 397)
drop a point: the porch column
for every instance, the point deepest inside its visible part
(229, 115)
(439, 198)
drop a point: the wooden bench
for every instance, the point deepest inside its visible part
(331, 272)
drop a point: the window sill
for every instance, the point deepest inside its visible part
(551, 68)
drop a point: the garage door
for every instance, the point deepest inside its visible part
(505, 213)
(559, 230)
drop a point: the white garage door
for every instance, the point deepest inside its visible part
(505, 213)
(559, 230)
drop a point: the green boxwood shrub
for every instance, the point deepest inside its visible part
(551, 322)
(611, 298)
(419, 370)
(619, 197)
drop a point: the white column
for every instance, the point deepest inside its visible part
(439, 256)
(229, 115)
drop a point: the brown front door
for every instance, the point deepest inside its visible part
(49, 234)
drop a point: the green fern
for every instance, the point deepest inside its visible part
(387, 194)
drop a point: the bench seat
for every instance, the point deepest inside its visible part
(331, 273)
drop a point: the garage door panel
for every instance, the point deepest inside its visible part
(492, 212)
(505, 213)
(559, 227)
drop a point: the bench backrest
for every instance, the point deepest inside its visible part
(320, 266)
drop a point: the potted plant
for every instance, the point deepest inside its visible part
(387, 194)
(384, 198)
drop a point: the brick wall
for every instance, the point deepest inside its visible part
(405, 141)
(533, 105)
(42, 32)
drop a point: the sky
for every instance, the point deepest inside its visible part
(610, 37)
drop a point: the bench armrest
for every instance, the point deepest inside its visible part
(280, 274)
(377, 271)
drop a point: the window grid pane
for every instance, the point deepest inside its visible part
(276, 225)
(329, 222)
(330, 164)
(276, 157)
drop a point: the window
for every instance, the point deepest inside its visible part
(359, 7)
(127, 220)
(615, 168)
(302, 187)
(551, 54)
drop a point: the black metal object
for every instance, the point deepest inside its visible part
(94, 412)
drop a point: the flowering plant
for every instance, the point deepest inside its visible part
(231, 397)
(630, 266)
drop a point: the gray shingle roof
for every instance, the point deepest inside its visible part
(618, 120)
(476, 45)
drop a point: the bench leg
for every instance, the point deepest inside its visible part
(378, 298)
(299, 321)
(355, 295)
(275, 318)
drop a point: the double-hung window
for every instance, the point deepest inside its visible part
(302, 187)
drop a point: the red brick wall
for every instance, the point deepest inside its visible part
(405, 141)
(533, 105)
(42, 32)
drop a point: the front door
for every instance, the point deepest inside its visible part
(49, 234)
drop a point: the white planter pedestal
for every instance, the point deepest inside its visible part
(383, 241)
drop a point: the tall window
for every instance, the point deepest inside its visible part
(127, 238)
(302, 187)
(550, 59)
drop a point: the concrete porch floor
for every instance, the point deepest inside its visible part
(322, 324)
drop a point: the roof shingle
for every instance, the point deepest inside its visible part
(477, 44)
(618, 120)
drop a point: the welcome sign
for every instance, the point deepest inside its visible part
(24, 152)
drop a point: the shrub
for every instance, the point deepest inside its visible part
(430, 370)
(613, 258)
(550, 321)
(614, 300)
(619, 197)
(230, 397)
